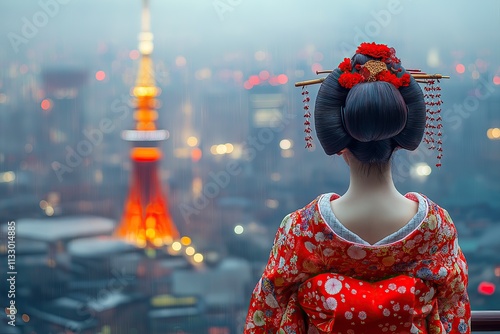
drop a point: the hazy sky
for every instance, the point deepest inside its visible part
(204, 30)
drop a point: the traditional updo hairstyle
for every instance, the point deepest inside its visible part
(371, 119)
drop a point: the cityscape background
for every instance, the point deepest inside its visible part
(234, 163)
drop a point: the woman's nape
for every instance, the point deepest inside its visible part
(372, 207)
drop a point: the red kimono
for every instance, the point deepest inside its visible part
(318, 282)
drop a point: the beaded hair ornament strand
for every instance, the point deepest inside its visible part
(380, 69)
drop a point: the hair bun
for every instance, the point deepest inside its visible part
(372, 118)
(374, 111)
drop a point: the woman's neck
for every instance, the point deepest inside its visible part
(366, 183)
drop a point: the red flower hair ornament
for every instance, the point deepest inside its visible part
(373, 70)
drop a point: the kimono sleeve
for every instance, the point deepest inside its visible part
(454, 312)
(273, 306)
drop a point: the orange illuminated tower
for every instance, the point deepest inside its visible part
(146, 220)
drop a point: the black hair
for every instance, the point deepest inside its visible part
(371, 119)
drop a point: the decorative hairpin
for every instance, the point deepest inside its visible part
(418, 75)
(378, 70)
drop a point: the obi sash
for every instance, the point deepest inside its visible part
(340, 304)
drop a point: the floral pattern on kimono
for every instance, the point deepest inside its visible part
(317, 282)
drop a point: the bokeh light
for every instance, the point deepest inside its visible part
(238, 229)
(460, 68)
(100, 75)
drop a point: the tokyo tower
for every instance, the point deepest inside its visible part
(146, 219)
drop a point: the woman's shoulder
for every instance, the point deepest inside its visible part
(313, 205)
(433, 206)
(437, 217)
(310, 210)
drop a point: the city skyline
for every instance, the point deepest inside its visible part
(235, 161)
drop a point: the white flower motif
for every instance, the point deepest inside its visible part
(348, 315)
(392, 286)
(426, 309)
(322, 316)
(271, 301)
(442, 272)
(258, 318)
(362, 315)
(287, 223)
(423, 249)
(455, 248)
(356, 253)
(319, 237)
(330, 303)
(386, 312)
(428, 296)
(333, 286)
(410, 244)
(310, 246)
(281, 263)
(432, 222)
(402, 289)
(396, 307)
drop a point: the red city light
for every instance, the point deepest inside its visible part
(460, 68)
(264, 75)
(273, 81)
(196, 154)
(247, 85)
(46, 104)
(316, 67)
(254, 80)
(282, 79)
(486, 288)
(100, 75)
(134, 54)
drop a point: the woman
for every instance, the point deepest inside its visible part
(372, 260)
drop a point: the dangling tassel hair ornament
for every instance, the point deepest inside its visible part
(433, 134)
(307, 115)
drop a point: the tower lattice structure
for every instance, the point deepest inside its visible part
(146, 219)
